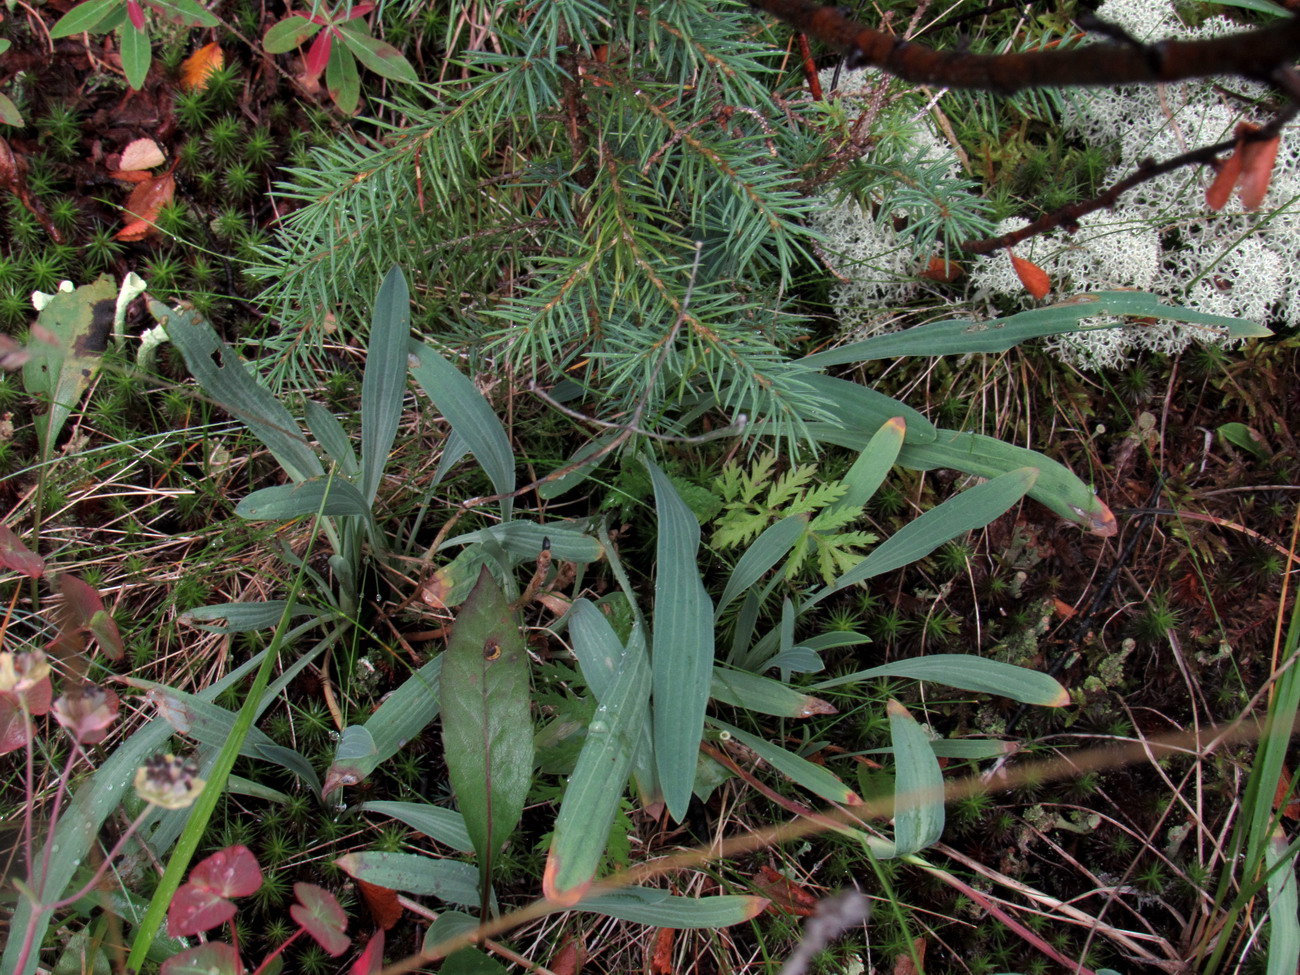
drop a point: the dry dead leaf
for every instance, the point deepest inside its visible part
(1033, 277)
(141, 208)
(199, 66)
(661, 960)
(141, 154)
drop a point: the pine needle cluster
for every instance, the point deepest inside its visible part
(611, 193)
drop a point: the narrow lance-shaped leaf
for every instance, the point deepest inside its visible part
(487, 728)
(384, 383)
(918, 784)
(681, 646)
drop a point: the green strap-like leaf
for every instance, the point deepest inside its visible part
(384, 382)
(642, 905)
(743, 689)
(330, 496)
(681, 645)
(964, 337)
(444, 825)
(800, 771)
(970, 673)
(592, 796)
(85, 17)
(486, 723)
(918, 784)
(325, 427)
(448, 880)
(469, 414)
(223, 377)
(918, 538)
(766, 551)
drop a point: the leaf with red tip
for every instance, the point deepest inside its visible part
(1033, 277)
(232, 872)
(1257, 160)
(319, 914)
(17, 556)
(318, 54)
(371, 958)
(136, 13)
(88, 611)
(196, 908)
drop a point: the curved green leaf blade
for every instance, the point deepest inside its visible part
(444, 825)
(681, 645)
(1284, 928)
(597, 784)
(137, 54)
(448, 880)
(873, 464)
(486, 725)
(766, 551)
(800, 771)
(861, 411)
(642, 905)
(331, 496)
(959, 337)
(565, 482)
(743, 689)
(1056, 486)
(384, 382)
(469, 414)
(84, 17)
(379, 56)
(918, 784)
(226, 379)
(524, 540)
(969, 673)
(325, 427)
(288, 34)
(967, 511)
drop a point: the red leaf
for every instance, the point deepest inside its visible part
(1224, 180)
(318, 55)
(89, 612)
(382, 903)
(568, 960)
(319, 915)
(136, 13)
(360, 10)
(17, 556)
(784, 893)
(1257, 160)
(140, 211)
(661, 960)
(945, 272)
(371, 958)
(1033, 277)
(232, 872)
(15, 730)
(196, 908)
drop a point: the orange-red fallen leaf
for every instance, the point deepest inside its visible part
(141, 154)
(1033, 277)
(783, 892)
(1257, 160)
(568, 960)
(945, 272)
(661, 959)
(141, 208)
(1063, 609)
(198, 67)
(1292, 810)
(131, 175)
(904, 965)
(1226, 178)
(382, 903)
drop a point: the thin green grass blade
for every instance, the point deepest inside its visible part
(470, 415)
(384, 382)
(681, 645)
(1284, 927)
